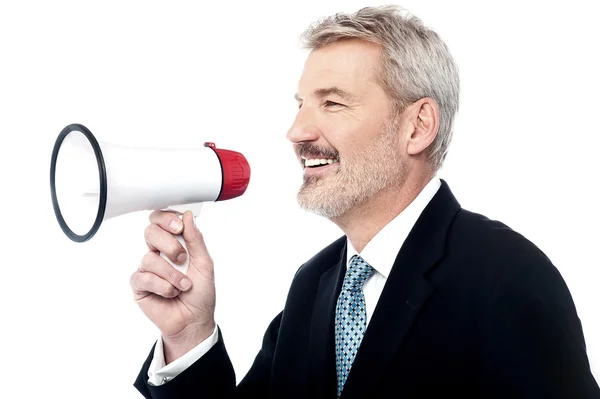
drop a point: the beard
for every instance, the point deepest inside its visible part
(357, 179)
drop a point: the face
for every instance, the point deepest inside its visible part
(344, 135)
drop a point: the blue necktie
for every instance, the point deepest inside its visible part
(350, 318)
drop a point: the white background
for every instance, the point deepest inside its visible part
(176, 74)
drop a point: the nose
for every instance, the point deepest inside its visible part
(303, 129)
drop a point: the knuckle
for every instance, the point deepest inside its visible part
(172, 275)
(148, 232)
(155, 215)
(147, 260)
(174, 248)
(142, 280)
(168, 289)
(133, 280)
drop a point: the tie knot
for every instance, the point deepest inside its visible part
(358, 272)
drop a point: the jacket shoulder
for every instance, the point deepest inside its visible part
(503, 253)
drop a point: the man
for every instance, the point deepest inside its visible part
(420, 298)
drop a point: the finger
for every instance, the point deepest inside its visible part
(193, 238)
(144, 283)
(155, 264)
(169, 221)
(158, 239)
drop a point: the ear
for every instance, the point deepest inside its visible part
(425, 121)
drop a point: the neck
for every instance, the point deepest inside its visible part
(361, 223)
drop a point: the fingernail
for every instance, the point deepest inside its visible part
(185, 284)
(176, 225)
(181, 258)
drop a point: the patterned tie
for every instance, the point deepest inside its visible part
(350, 318)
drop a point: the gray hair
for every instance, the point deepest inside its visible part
(416, 63)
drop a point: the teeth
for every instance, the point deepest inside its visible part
(316, 162)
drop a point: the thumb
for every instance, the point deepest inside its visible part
(193, 238)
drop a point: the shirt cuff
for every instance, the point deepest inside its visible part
(159, 373)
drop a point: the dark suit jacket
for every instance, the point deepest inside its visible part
(471, 309)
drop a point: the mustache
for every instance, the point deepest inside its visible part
(312, 151)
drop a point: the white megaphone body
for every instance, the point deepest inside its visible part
(92, 181)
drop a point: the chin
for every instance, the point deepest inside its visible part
(323, 202)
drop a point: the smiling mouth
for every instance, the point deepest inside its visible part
(314, 163)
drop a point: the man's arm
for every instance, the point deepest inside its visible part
(160, 373)
(212, 376)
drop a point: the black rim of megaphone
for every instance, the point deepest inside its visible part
(76, 127)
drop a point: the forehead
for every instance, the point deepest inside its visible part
(349, 64)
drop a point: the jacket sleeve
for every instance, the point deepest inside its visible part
(212, 376)
(533, 341)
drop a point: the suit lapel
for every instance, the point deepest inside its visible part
(404, 294)
(322, 349)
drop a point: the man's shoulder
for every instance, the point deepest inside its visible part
(498, 248)
(489, 236)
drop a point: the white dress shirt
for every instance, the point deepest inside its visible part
(380, 253)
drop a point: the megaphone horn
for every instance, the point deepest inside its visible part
(91, 182)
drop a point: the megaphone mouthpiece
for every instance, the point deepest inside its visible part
(236, 173)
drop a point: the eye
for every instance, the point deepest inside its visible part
(332, 104)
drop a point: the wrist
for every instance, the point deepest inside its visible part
(177, 345)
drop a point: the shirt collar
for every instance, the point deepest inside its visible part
(382, 250)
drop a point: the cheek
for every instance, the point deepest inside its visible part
(349, 139)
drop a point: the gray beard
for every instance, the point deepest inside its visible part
(378, 168)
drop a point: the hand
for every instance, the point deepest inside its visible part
(182, 307)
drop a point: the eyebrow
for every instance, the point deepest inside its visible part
(326, 91)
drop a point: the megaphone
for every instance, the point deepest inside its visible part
(91, 181)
